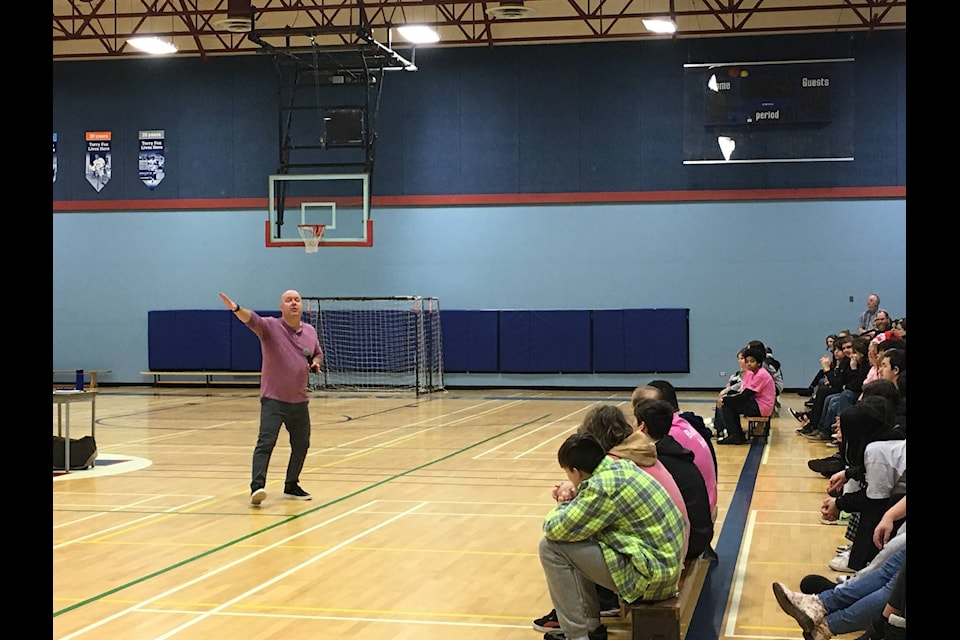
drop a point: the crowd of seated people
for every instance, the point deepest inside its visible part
(866, 481)
(857, 398)
(680, 464)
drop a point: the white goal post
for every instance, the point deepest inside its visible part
(391, 343)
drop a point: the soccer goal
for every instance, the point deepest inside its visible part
(378, 343)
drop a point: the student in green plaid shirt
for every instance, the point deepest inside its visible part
(621, 531)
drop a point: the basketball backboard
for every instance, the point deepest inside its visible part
(340, 201)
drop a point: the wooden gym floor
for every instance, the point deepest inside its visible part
(424, 523)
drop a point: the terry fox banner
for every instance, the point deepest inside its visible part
(99, 164)
(151, 158)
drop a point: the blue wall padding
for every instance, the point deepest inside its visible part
(162, 340)
(672, 331)
(189, 340)
(516, 341)
(608, 352)
(514, 348)
(641, 341)
(470, 340)
(544, 341)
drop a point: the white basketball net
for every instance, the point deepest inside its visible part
(311, 234)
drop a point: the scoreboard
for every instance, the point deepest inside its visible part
(761, 95)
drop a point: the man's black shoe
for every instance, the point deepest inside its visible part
(732, 440)
(806, 393)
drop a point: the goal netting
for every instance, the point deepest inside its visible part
(378, 343)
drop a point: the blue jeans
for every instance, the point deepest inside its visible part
(853, 605)
(296, 417)
(832, 408)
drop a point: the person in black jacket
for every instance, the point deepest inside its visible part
(654, 417)
(669, 395)
(863, 424)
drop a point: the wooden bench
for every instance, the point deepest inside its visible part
(93, 375)
(758, 426)
(206, 377)
(669, 619)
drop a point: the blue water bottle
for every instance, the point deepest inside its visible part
(79, 379)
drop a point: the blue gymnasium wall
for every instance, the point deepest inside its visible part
(572, 118)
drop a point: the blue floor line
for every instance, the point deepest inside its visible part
(708, 616)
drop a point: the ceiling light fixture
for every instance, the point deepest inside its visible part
(660, 25)
(152, 45)
(418, 33)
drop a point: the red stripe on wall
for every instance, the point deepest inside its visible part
(621, 197)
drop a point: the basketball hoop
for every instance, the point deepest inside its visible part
(311, 234)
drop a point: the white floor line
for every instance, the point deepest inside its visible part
(411, 424)
(554, 437)
(738, 574)
(124, 525)
(290, 616)
(420, 432)
(289, 572)
(218, 570)
(103, 513)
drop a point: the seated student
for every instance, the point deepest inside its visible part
(655, 417)
(835, 371)
(756, 399)
(620, 439)
(824, 609)
(669, 395)
(734, 385)
(875, 453)
(772, 365)
(689, 438)
(830, 465)
(829, 340)
(891, 624)
(846, 607)
(852, 387)
(621, 530)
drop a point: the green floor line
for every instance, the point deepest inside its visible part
(290, 519)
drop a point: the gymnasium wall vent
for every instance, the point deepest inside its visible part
(511, 10)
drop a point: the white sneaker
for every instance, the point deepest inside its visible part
(839, 563)
(844, 547)
(257, 496)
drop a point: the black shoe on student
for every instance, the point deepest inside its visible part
(809, 403)
(600, 633)
(827, 466)
(806, 393)
(799, 415)
(548, 623)
(807, 429)
(814, 585)
(732, 440)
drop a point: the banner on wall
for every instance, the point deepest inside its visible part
(151, 158)
(99, 163)
(54, 156)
